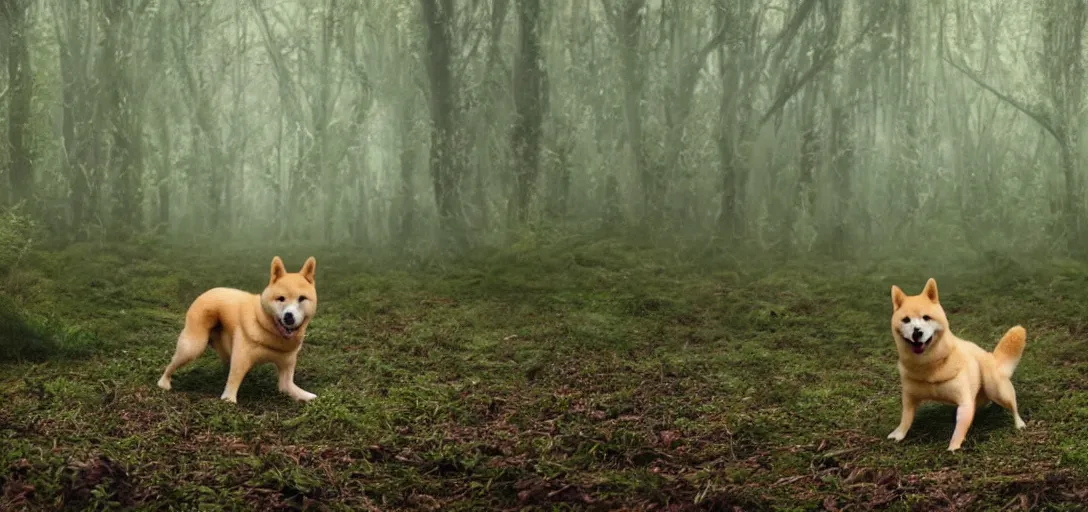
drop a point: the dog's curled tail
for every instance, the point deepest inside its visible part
(1009, 349)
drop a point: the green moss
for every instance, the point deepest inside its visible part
(558, 374)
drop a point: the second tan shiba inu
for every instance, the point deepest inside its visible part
(935, 365)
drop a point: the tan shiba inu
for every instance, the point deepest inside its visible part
(246, 329)
(935, 365)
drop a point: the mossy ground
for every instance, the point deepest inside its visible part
(577, 376)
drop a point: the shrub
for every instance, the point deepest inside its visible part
(16, 231)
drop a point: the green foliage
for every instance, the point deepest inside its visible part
(32, 338)
(24, 337)
(15, 238)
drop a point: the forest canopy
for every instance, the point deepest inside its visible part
(795, 126)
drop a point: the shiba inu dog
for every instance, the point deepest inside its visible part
(937, 366)
(246, 329)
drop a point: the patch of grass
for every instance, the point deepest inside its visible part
(26, 338)
(554, 375)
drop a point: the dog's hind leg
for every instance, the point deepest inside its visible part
(241, 361)
(191, 343)
(221, 343)
(1002, 393)
(981, 400)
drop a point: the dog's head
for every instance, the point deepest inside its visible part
(290, 298)
(918, 321)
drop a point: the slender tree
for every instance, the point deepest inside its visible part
(530, 103)
(20, 95)
(447, 135)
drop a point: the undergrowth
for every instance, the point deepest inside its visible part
(574, 374)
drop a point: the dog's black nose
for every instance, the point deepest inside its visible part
(289, 319)
(916, 335)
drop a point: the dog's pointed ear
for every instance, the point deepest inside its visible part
(930, 290)
(309, 268)
(897, 297)
(278, 270)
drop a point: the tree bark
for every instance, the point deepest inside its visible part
(737, 71)
(530, 103)
(447, 136)
(80, 116)
(126, 159)
(1063, 70)
(21, 84)
(627, 22)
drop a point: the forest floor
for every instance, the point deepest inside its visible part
(584, 376)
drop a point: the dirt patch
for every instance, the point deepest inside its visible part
(96, 482)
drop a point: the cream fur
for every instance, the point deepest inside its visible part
(243, 331)
(951, 370)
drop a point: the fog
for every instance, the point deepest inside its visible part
(798, 128)
(571, 254)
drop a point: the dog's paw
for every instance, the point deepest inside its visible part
(897, 435)
(305, 396)
(229, 398)
(953, 447)
(164, 383)
(1020, 423)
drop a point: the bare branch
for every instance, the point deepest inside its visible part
(472, 51)
(828, 54)
(1038, 117)
(498, 16)
(279, 68)
(714, 43)
(789, 33)
(697, 58)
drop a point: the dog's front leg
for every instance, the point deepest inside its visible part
(241, 361)
(965, 414)
(287, 381)
(910, 404)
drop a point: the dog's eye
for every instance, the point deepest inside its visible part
(281, 298)
(925, 317)
(301, 298)
(906, 320)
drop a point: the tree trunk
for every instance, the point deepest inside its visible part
(732, 130)
(737, 71)
(166, 170)
(327, 170)
(407, 161)
(70, 101)
(530, 103)
(359, 220)
(804, 196)
(487, 109)
(125, 153)
(79, 90)
(679, 96)
(1064, 69)
(20, 76)
(1071, 211)
(447, 136)
(842, 166)
(558, 205)
(628, 26)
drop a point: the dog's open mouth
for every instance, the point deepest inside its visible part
(918, 346)
(285, 331)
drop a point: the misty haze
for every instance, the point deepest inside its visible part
(542, 254)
